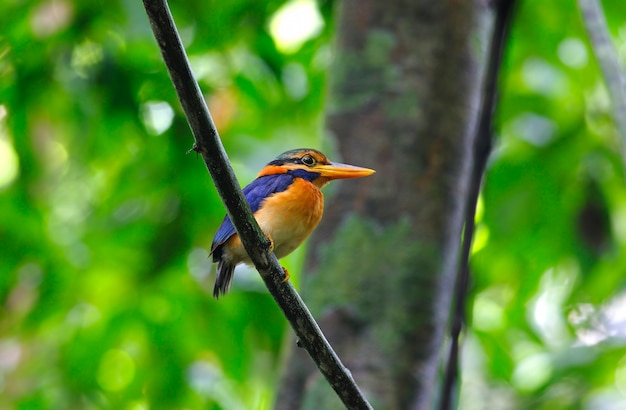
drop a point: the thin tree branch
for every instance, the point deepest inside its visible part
(607, 57)
(482, 148)
(209, 146)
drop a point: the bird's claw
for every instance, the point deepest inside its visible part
(287, 275)
(269, 238)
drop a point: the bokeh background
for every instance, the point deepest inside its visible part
(106, 221)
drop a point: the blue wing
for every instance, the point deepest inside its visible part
(255, 193)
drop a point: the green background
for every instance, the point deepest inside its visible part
(105, 221)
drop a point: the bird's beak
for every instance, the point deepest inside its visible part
(336, 170)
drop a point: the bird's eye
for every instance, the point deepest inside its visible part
(308, 160)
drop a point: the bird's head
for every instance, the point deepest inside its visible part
(313, 166)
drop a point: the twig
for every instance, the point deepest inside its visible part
(209, 146)
(594, 20)
(482, 148)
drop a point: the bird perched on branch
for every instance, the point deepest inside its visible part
(286, 201)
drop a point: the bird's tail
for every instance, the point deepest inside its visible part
(224, 280)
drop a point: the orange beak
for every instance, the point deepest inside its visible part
(336, 170)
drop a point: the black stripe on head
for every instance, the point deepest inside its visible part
(295, 156)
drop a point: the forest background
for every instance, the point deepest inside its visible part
(105, 222)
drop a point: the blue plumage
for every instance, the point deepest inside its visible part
(255, 193)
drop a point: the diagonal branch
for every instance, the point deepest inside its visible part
(209, 146)
(608, 60)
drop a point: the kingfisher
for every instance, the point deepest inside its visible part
(286, 201)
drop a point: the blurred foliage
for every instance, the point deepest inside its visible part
(549, 261)
(105, 223)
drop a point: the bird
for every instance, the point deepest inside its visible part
(287, 202)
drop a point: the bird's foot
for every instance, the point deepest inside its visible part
(287, 275)
(269, 238)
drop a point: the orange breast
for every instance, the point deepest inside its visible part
(290, 216)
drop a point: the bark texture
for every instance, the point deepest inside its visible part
(380, 271)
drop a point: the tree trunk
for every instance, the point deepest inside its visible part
(381, 266)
